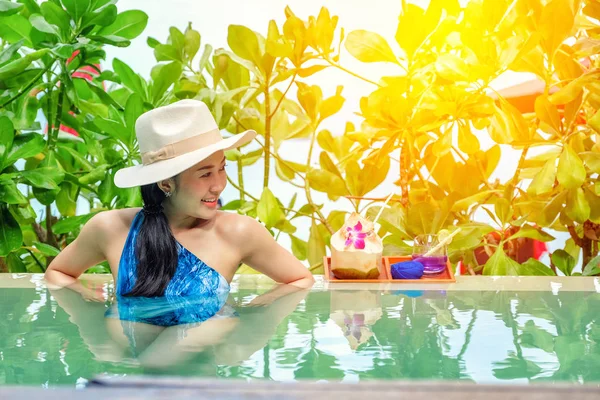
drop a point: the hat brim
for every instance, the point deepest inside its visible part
(140, 175)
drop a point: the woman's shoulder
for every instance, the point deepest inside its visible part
(236, 226)
(112, 221)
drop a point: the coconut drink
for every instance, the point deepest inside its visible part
(356, 250)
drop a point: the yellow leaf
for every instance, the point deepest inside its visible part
(573, 88)
(276, 45)
(368, 46)
(444, 143)
(309, 98)
(547, 113)
(330, 106)
(500, 127)
(592, 160)
(467, 141)
(555, 24)
(412, 29)
(594, 122)
(571, 172)
(578, 208)
(594, 202)
(544, 180)
(451, 67)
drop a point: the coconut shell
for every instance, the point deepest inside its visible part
(348, 262)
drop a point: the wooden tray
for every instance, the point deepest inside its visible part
(445, 276)
(385, 276)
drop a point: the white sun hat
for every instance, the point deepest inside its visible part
(174, 138)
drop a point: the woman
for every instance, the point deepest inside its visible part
(178, 244)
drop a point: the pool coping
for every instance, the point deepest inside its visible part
(463, 283)
(145, 387)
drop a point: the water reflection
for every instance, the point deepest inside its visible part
(56, 337)
(166, 332)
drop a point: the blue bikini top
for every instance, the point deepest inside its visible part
(196, 291)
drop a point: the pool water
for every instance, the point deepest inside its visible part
(53, 338)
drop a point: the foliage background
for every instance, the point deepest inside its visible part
(433, 113)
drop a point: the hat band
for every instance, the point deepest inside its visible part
(182, 147)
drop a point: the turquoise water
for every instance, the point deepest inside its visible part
(58, 338)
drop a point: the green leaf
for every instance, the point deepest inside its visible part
(133, 109)
(11, 236)
(66, 201)
(593, 267)
(571, 172)
(128, 24)
(316, 246)
(500, 264)
(104, 17)
(192, 42)
(528, 231)
(299, 248)
(57, 16)
(40, 23)
(502, 210)
(475, 199)
(46, 249)
(252, 157)
(15, 67)
(15, 28)
(166, 76)
(10, 194)
(244, 43)
(577, 208)
(7, 134)
(15, 264)
(130, 79)
(166, 52)
(44, 177)
(107, 190)
(113, 40)
(9, 8)
(103, 96)
(326, 182)
(533, 267)
(368, 46)
(152, 42)
(563, 261)
(536, 337)
(543, 182)
(93, 176)
(76, 8)
(112, 128)
(9, 51)
(71, 224)
(268, 209)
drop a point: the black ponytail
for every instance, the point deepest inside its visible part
(155, 247)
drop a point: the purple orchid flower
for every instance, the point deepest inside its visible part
(355, 236)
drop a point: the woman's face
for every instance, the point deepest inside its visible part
(197, 189)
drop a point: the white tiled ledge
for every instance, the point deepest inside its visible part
(465, 283)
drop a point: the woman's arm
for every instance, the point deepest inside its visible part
(261, 252)
(81, 254)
